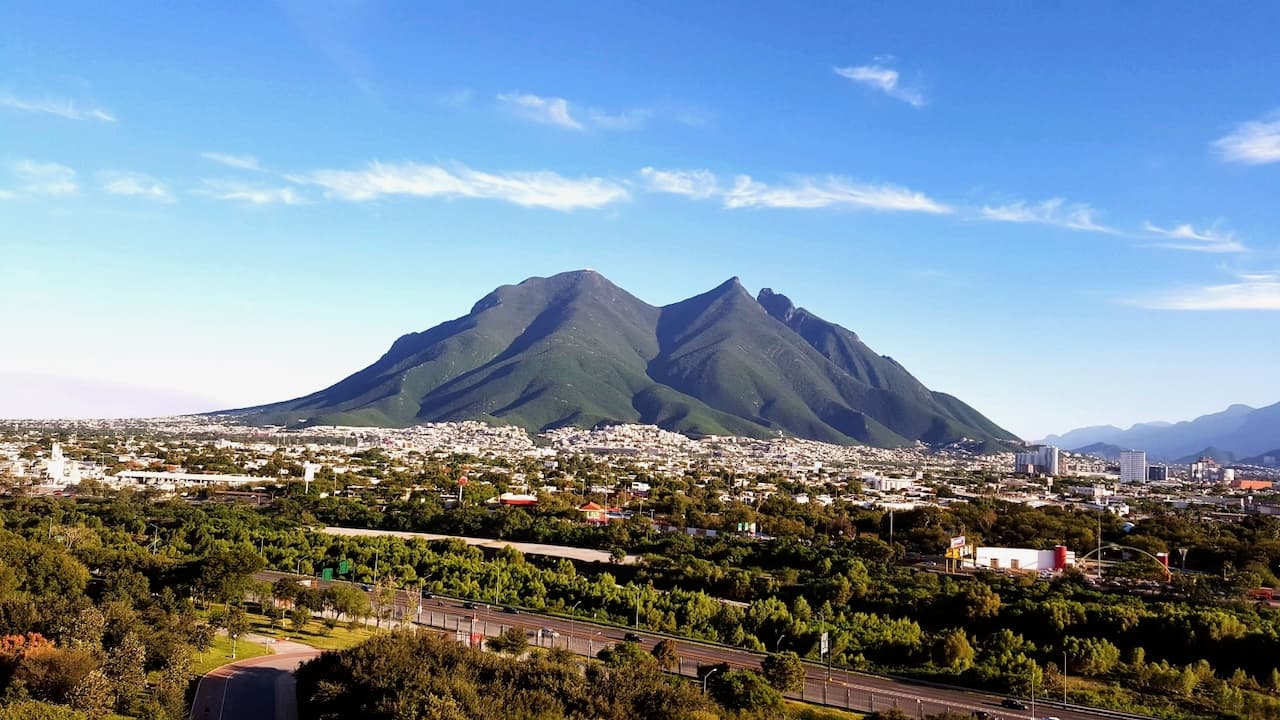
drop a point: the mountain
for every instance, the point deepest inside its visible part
(1220, 456)
(1100, 449)
(576, 350)
(1239, 431)
(1270, 458)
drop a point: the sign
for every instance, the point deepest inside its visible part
(326, 574)
(344, 567)
(824, 644)
(958, 542)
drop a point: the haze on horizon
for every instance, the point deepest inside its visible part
(1064, 217)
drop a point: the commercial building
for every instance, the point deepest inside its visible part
(1133, 466)
(1158, 473)
(1025, 559)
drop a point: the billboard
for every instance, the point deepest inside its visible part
(958, 542)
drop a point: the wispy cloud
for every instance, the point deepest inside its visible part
(700, 184)
(8, 195)
(458, 99)
(529, 189)
(559, 112)
(240, 162)
(251, 194)
(545, 110)
(879, 76)
(1186, 237)
(1252, 143)
(134, 184)
(61, 107)
(1054, 211)
(800, 193)
(39, 178)
(1250, 291)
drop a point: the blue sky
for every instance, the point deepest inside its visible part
(1064, 214)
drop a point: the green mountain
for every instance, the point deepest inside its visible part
(576, 350)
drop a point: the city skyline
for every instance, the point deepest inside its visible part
(1062, 222)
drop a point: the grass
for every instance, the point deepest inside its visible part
(219, 654)
(805, 711)
(314, 634)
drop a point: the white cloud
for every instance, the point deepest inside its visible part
(1054, 211)
(801, 193)
(134, 184)
(252, 194)
(633, 119)
(458, 99)
(828, 192)
(700, 184)
(530, 189)
(1253, 143)
(1251, 291)
(546, 110)
(240, 162)
(61, 107)
(885, 79)
(40, 178)
(1186, 237)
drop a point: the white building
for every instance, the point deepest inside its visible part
(1042, 460)
(886, 485)
(1133, 466)
(1025, 559)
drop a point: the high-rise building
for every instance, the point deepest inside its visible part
(1158, 473)
(1042, 460)
(1133, 466)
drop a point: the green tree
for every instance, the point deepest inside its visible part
(92, 696)
(511, 641)
(784, 671)
(744, 691)
(666, 653)
(125, 669)
(298, 618)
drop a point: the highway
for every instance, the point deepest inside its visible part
(852, 690)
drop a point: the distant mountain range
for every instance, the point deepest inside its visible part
(576, 350)
(1239, 431)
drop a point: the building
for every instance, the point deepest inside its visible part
(1158, 473)
(1025, 559)
(888, 485)
(1204, 470)
(1041, 460)
(1133, 466)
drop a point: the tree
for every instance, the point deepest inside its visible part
(952, 649)
(171, 687)
(512, 641)
(298, 618)
(666, 653)
(784, 671)
(125, 669)
(92, 695)
(236, 622)
(36, 710)
(745, 691)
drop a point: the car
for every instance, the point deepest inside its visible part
(982, 715)
(1013, 704)
(550, 632)
(468, 605)
(427, 596)
(510, 610)
(632, 637)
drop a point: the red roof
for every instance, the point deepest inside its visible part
(591, 506)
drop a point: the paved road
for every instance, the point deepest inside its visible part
(528, 548)
(855, 691)
(260, 688)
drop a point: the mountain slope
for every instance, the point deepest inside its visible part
(1239, 430)
(575, 349)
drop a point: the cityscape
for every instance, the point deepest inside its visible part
(573, 361)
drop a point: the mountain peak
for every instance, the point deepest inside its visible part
(777, 304)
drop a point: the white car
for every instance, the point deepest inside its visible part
(548, 632)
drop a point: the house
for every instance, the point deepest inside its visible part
(594, 514)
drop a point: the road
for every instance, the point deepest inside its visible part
(528, 548)
(260, 688)
(852, 690)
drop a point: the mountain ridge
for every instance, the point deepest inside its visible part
(575, 349)
(1240, 430)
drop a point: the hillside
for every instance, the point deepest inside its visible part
(576, 350)
(1239, 430)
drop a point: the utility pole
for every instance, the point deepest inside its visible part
(1064, 677)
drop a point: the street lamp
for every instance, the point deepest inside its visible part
(572, 611)
(1064, 677)
(708, 677)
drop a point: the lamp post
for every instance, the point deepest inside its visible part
(572, 611)
(707, 677)
(1064, 677)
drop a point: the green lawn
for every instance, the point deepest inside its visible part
(219, 654)
(314, 634)
(805, 711)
